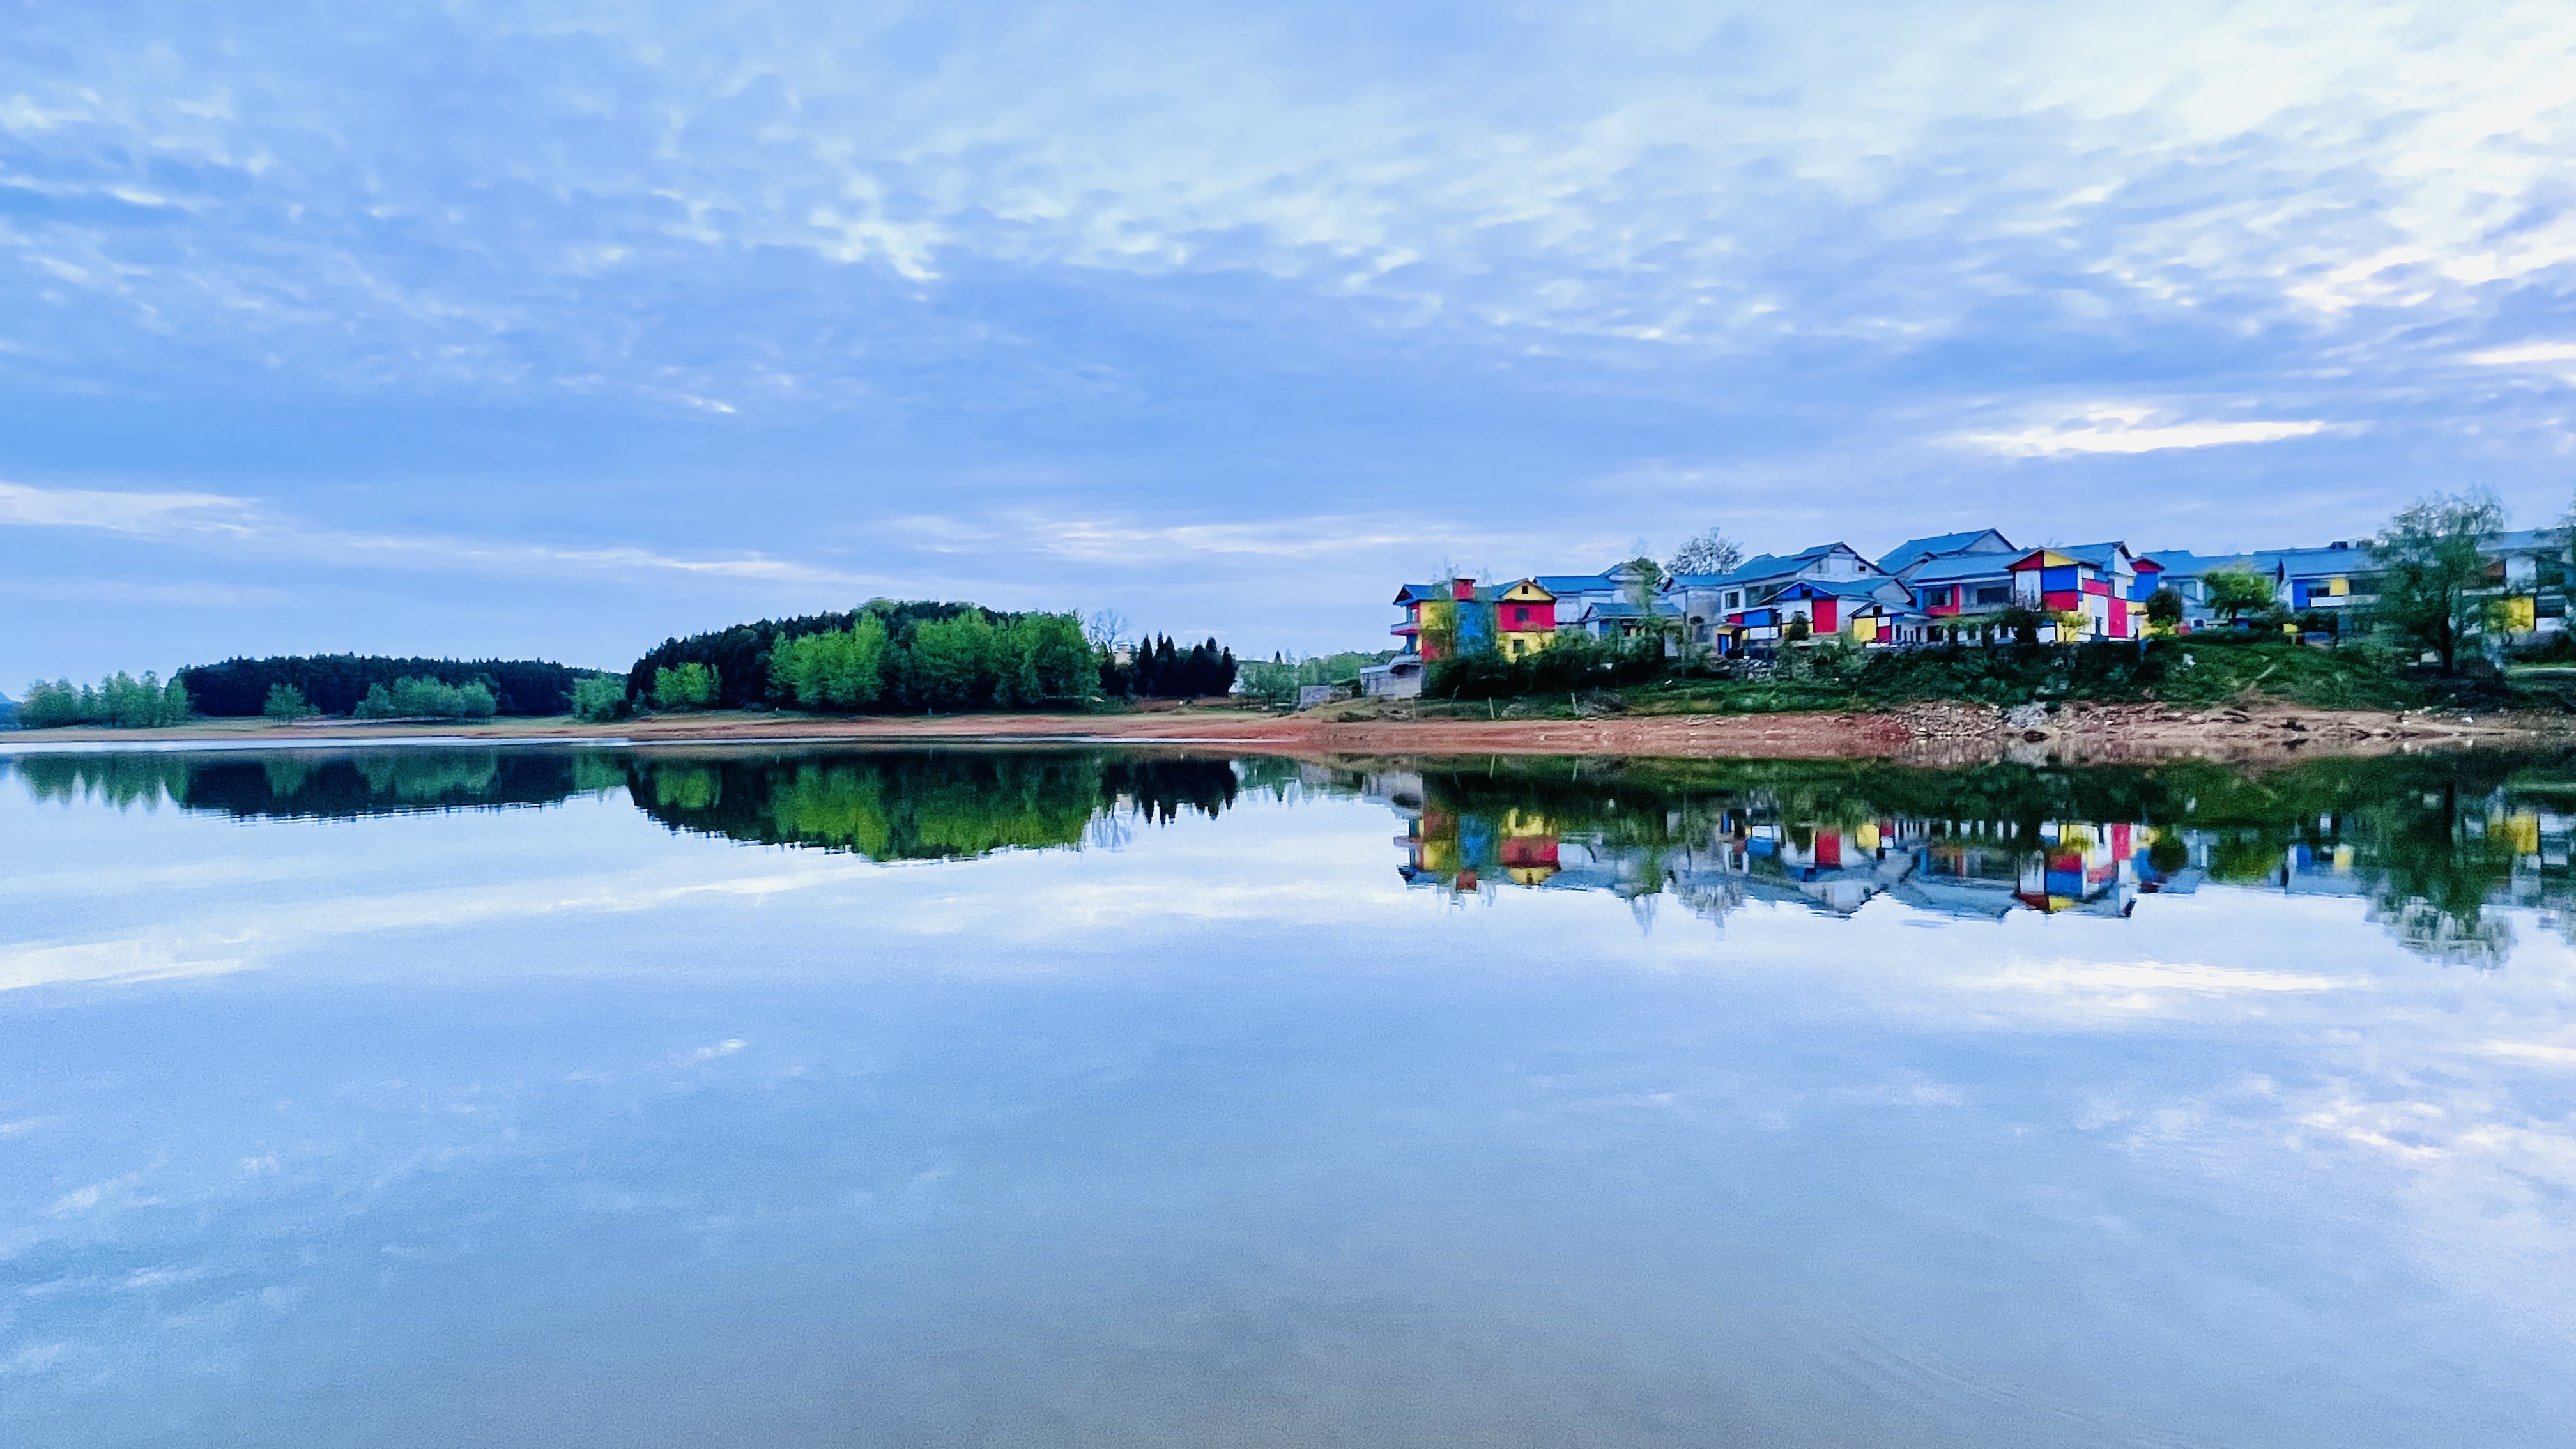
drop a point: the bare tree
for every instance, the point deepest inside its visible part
(1710, 553)
(1106, 630)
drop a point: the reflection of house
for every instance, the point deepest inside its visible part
(1716, 863)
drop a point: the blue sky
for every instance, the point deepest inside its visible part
(553, 330)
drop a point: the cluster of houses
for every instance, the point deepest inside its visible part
(1944, 589)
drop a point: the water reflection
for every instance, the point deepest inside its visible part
(2431, 842)
(496, 1097)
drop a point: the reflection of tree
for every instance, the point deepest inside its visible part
(306, 784)
(924, 806)
(2432, 876)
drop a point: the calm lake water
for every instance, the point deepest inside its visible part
(536, 1097)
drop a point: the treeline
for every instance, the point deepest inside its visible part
(339, 683)
(1159, 670)
(736, 661)
(122, 701)
(974, 660)
(902, 657)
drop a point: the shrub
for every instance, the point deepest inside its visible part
(600, 698)
(418, 698)
(1573, 663)
(691, 686)
(286, 702)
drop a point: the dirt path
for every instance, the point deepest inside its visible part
(1938, 733)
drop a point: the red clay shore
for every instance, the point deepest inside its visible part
(1942, 732)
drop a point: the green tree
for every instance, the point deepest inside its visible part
(599, 698)
(2234, 592)
(952, 662)
(691, 686)
(833, 669)
(2433, 572)
(2020, 623)
(286, 702)
(2164, 608)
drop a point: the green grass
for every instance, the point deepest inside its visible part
(2190, 673)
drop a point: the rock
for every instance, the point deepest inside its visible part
(2026, 716)
(2034, 737)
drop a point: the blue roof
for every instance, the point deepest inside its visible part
(1962, 566)
(2308, 562)
(1838, 588)
(1915, 550)
(2099, 555)
(1760, 569)
(2182, 563)
(1575, 583)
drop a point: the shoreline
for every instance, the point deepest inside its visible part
(1932, 733)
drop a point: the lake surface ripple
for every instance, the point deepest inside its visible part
(639, 1098)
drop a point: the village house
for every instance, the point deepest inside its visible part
(1751, 604)
(2089, 590)
(1620, 602)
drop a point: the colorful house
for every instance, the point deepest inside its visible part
(1753, 604)
(2089, 589)
(1458, 617)
(1524, 619)
(1957, 592)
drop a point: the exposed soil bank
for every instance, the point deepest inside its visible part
(1930, 732)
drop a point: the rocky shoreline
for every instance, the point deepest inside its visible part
(1931, 732)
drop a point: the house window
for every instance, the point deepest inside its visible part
(1735, 598)
(1520, 615)
(1995, 594)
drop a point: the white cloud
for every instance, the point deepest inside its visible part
(2127, 430)
(243, 525)
(2526, 353)
(122, 512)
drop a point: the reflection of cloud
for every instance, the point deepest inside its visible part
(2146, 978)
(2125, 430)
(2539, 1053)
(106, 961)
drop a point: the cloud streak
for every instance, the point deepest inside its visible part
(2127, 430)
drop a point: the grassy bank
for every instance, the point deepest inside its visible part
(2193, 673)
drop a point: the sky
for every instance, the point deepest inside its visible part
(553, 330)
